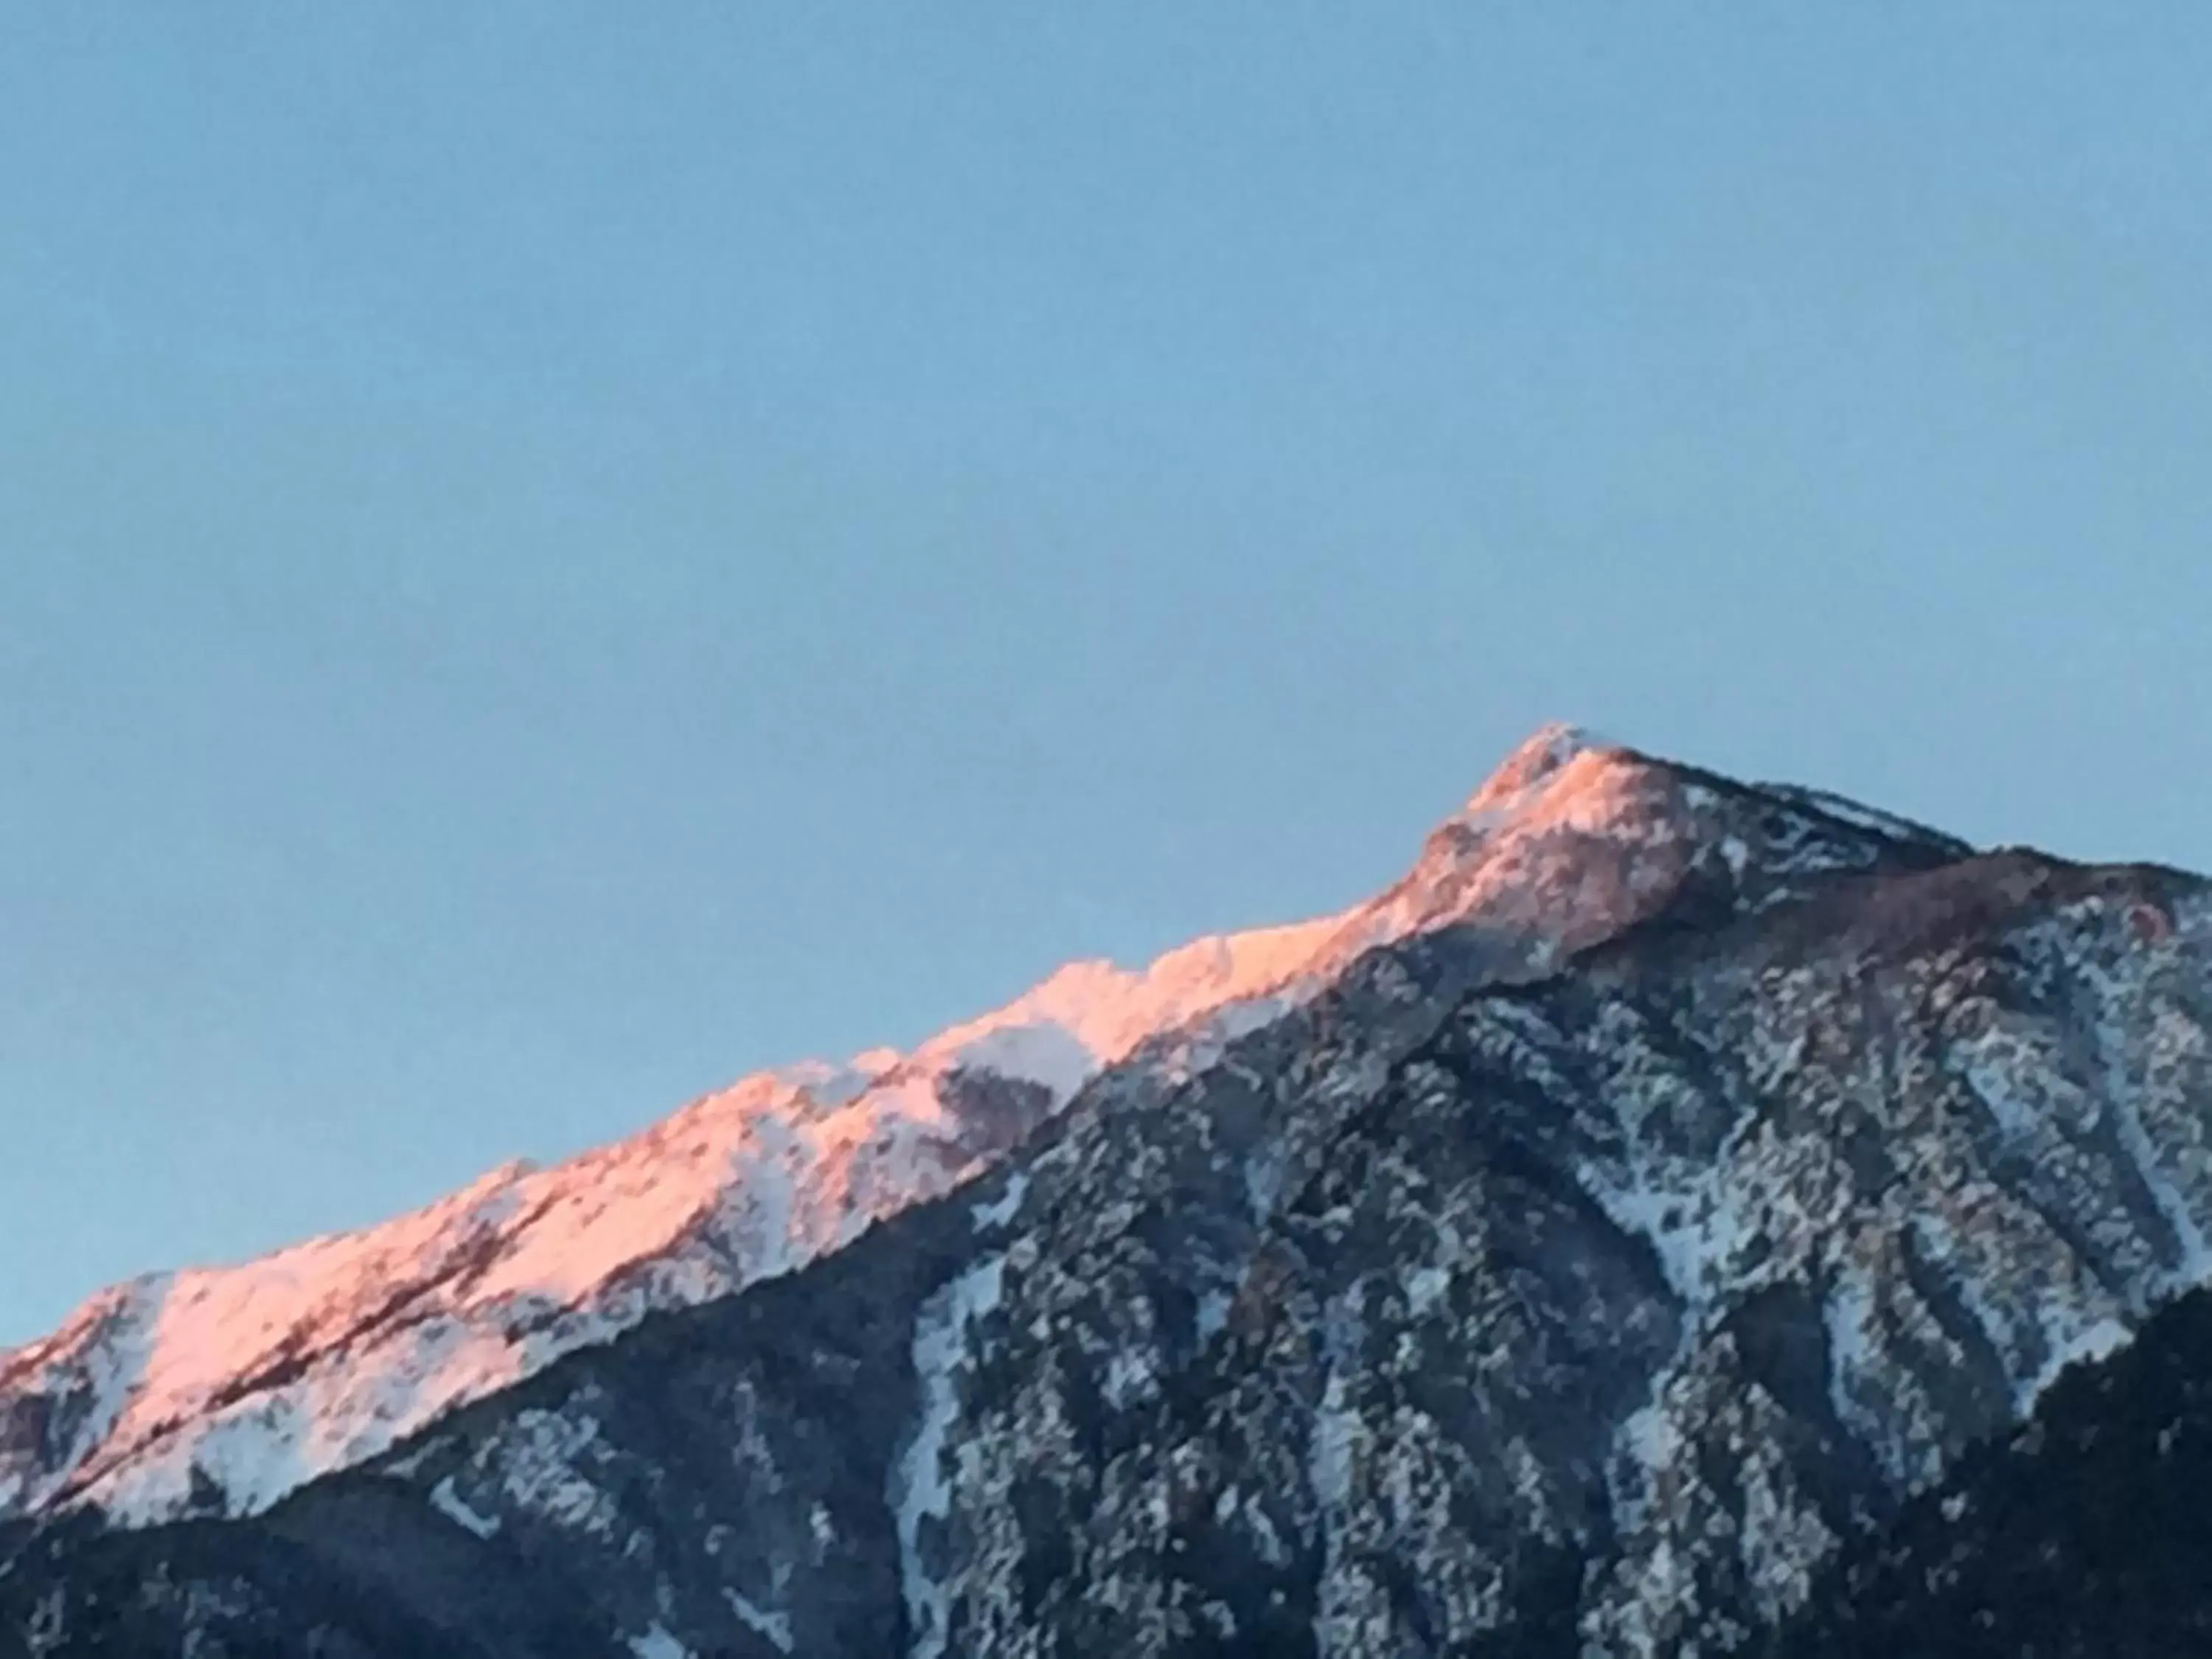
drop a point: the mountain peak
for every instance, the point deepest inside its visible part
(1546, 752)
(251, 1380)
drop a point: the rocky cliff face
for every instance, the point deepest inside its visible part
(1571, 1251)
(2078, 1535)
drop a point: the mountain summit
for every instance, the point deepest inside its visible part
(228, 1388)
(1568, 1246)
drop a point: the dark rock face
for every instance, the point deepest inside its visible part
(1467, 1310)
(2079, 1534)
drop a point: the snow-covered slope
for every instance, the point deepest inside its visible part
(225, 1389)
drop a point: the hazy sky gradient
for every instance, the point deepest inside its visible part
(551, 554)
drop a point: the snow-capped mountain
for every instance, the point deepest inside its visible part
(1561, 1252)
(236, 1384)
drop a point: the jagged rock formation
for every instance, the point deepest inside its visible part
(1564, 1254)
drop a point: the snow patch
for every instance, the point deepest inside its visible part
(537, 1458)
(920, 1491)
(1041, 1052)
(1425, 1288)
(2095, 1341)
(1213, 1307)
(1647, 1444)
(1131, 1377)
(448, 1503)
(1263, 1181)
(1336, 1433)
(1691, 1220)
(775, 1627)
(1649, 1437)
(1001, 1210)
(1849, 1314)
(1993, 1085)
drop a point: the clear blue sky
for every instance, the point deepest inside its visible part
(550, 555)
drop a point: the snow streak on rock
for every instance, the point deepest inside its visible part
(919, 1497)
